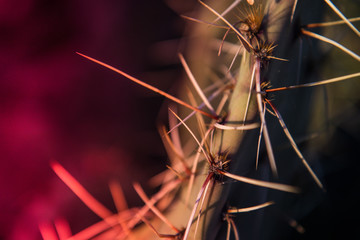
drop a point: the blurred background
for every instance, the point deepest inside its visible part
(57, 105)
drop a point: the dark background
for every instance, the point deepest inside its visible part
(57, 105)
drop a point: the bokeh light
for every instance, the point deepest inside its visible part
(57, 105)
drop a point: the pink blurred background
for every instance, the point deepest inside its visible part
(55, 104)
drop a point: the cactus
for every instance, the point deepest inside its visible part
(241, 154)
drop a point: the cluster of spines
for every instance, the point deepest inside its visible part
(218, 163)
